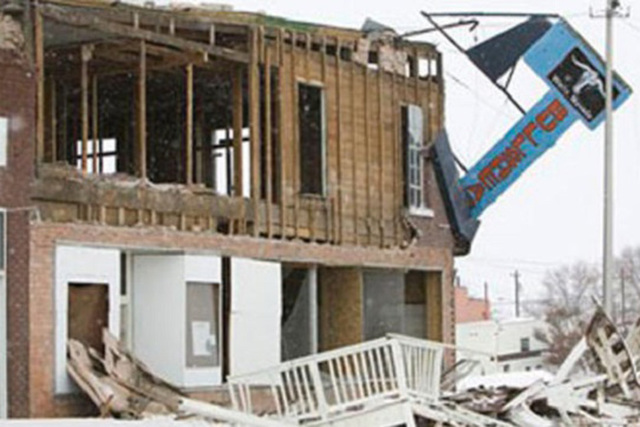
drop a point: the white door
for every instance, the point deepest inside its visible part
(255, 315)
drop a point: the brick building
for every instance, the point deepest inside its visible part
(469, 308)
(221, 190)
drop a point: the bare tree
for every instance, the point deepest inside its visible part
(568, 305)
(568, 301)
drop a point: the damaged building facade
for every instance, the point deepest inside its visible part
(223, 191)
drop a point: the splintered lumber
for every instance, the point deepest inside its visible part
(121, 385)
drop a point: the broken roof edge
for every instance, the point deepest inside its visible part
(240, 18)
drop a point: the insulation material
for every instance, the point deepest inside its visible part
(361, 54)
(392, 60)
(11, 37)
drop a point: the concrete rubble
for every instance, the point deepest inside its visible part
(598, 384)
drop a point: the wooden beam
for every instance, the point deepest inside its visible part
(142, 111)
(189, 127)
(84, 87)
(381, 156)
(212, 35)
(397, 149)
(237, 132)
(281, 139)
(39, 56)
(338, 221)
(88, 20)
(354, 153)
(367, 153)
(254, 125)
(267, 137)
(295, 133)
(94, 124)
(54, 121)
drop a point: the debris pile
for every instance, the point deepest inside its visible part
(598, 384)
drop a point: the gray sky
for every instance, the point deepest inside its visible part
(553, 214)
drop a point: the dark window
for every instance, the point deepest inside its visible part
(525, 345)
(312, 150)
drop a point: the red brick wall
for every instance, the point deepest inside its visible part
(45, 235)
(469, 309)
(17, 102)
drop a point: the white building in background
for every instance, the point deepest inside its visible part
(501, 345)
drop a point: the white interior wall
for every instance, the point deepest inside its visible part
(76, 264)
(158, 314)
(256, 309)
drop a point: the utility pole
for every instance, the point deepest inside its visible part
(516, 276)
(607, 258)
(623, 309)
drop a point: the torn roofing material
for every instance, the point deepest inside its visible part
(455, 198)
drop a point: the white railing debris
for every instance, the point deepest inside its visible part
(330, 384)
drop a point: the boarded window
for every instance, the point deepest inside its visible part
(4, 140)
(412, 136)
(88, 313)
(203, 325)
(312, 139)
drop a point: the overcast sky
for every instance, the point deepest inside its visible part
(553, 214)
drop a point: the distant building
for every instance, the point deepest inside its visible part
(503, 346)
(471, 309)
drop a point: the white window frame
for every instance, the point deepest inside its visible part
(101, 155)
(415, 162)
(4, 140)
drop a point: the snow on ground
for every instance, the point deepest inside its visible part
(504, 379)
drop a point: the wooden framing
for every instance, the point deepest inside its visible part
(189, 126)
(254, 127)
(237, 132)
(363, 195)
(142, 112)
(267, 139)
(39, 57)
(84, 88)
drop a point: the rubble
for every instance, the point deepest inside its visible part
(384, 382)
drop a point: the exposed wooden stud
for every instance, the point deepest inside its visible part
(354, 153)
(254, 125)
(381, 156)
(267, 138)
(94, 124)
(367, 153)
(172, 26)
(416, 75)
(54, 121)
(237, 132)
(296, 137)
(136, 20)
(307, 55)
(84, 87)
(339, 142)
(397, 149)
(189, 126)
(281, 139)
(142, 112)
(64, 131)
(39, 56)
